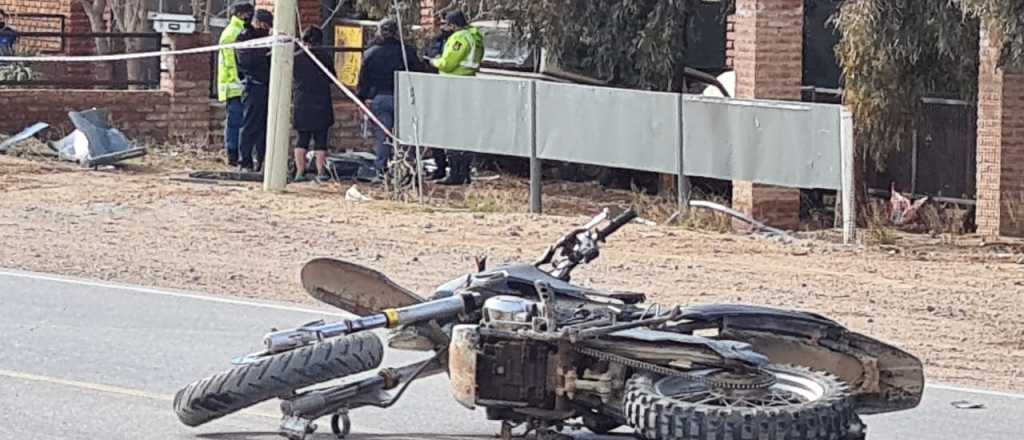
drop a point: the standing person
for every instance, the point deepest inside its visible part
(440, 156)
(229, 83)
(8, 36)
(377, 81)
(314, 108)
(254, 67)
(462, 55)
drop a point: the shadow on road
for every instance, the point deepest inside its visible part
(397, 436)
(353, 436)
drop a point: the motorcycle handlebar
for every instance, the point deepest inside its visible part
(617, 223)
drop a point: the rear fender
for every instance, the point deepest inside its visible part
(882, 378)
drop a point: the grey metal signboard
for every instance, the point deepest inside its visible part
(772, 142)
(608, 127)
(470, 114)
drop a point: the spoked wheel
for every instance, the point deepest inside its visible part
(780, 402)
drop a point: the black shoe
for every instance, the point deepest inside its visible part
(453, 180)
(232, 163)
(438, 174)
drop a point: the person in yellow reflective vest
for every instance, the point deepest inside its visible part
(464, 49)
(463, 53)
(229, 82)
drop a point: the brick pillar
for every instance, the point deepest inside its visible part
(310, 12)
(78, 22)
(730, 41)
(188, 82)
(1000, 209)
(428, 14)
(767, 56)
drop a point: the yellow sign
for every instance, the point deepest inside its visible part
(347, 64)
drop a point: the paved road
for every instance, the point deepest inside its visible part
(84, 360)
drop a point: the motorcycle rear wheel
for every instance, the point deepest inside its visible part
(802, 405)
(276, 376)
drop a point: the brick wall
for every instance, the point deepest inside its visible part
(75, 21)
(187, 81)
(767, 55)
(34, 24)
(768, 48)
(216, 123)
(1000, 209)
(347, 131)
(730, 40)
(27, 24)
(179, 110)
(140, 114)
(310, 12)
(428, 13)
(346, 134)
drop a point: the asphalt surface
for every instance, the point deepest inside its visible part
(86, 360)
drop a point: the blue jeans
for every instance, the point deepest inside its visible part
(383, 107)
(232, 128)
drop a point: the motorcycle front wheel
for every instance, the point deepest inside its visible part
(801, 405)
(276, 376)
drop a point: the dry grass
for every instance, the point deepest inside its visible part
(181, 155)
(879, 231)
(490, 200)
(699, 219)
(944, 219)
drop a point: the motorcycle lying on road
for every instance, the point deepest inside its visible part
(536, 351)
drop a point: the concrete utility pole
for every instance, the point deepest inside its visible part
(279, 119)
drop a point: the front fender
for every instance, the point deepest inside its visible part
(882, 378)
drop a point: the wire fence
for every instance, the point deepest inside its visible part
(138, 74)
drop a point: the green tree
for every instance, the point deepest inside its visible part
(1005, 21)
(892, 52)
(895, 52)
(632, 43)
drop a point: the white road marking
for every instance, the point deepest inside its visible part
(196, 296)
(974, 391)
(107, 389)
(165, 292)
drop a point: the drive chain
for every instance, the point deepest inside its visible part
(763, 380)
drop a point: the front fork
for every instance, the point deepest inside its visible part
(438, 309)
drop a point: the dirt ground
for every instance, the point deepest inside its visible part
(956, 302)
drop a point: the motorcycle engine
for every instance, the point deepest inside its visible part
(509, 313)
(493, 367)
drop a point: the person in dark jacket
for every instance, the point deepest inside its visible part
(314, 108)
(254, 69)
(377, 81)
(8, 36)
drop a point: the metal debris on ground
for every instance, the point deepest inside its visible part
(24, 135)
(350, 166)
(966, 404)
(240, 176)
(354, 195)
(901, 210)
(645, 222)
(94, 142)
(742, 217)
